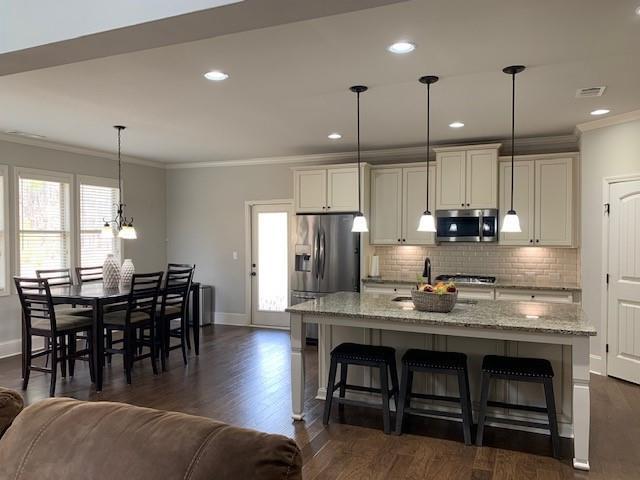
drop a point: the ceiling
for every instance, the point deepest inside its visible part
(288, 85)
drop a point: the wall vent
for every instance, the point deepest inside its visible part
(589, 92)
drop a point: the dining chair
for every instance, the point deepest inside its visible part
(139, 314)
(188, 314)
(88, 274)
(175, 300)
(41, 319)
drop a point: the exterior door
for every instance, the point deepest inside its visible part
(623, 336)
(270, 264)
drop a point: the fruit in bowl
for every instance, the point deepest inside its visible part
(440, 288)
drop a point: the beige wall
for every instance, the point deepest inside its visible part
(205, 222)
(606, 152)
(145, 195)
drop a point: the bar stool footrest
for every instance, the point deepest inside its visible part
(519, 423)
(514, 406)
(433, 412)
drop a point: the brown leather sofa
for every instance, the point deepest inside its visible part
(62, 438)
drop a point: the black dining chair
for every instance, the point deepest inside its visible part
(41, 319)
(173, 309)
(88, 274)
(138, 314)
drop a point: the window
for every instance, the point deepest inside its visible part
(5, 264)
(98, 202)
(43, 221)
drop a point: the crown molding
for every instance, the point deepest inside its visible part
(34, 142)
(477, 146)
(559, 143)
(608, 122)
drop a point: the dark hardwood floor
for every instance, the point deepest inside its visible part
(242, 377)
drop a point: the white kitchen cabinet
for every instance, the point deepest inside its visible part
(325, 190)
(451, 189)
(414, 202)
(523, 295)
(523, 200)
(554, 202)
(386, 206)
(398, 200)
(475, 293)
(543, 200)
(342, 189)
(400, 289)
(482, 178)
(467, 177)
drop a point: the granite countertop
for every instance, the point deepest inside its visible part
(534, 317)
(498, 284)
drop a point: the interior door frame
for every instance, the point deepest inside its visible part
(604, 288)
(248, 286)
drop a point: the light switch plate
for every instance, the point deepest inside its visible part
(235, 255)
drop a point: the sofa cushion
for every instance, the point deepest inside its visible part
(10, 406)
(61, 438)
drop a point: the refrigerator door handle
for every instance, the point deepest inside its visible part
(316, 253)
(323, 252)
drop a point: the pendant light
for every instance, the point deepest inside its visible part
(427, 222)
(359, 221)
(511, 222)
(121, 223)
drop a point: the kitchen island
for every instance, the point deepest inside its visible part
(557, 332)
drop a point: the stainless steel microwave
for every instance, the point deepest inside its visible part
(467, 225)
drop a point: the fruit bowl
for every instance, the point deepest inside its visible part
(434, 302)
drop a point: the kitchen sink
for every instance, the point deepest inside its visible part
(465, 301)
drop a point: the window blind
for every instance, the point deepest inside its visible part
(44, 227)
(97, 204)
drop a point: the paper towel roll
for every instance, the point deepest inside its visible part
(374, 267)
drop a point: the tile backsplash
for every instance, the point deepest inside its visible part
(529, 265)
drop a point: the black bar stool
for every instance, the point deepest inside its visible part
(535, 370)
(382, 358)
(448, 363)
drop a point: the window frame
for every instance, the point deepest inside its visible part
(50, 176)
(98, 182)
(4, 171)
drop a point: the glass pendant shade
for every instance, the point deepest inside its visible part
(359, 224)
(511, 223)
(106, 231)
(128, 232)
(427, 223)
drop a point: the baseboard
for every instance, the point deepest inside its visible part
(14, 347)
(222, 318)
(596, 364)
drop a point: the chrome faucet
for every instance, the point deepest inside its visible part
(427, 270)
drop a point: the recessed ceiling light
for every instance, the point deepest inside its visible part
(216, 76)
(334, 136)
(401, 47)
(600, 111)
(456, 125)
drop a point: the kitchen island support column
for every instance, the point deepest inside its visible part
(297, 366)
(581, 402)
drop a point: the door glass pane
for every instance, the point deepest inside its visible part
(272, 261)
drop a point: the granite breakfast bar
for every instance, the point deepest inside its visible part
(557, 332)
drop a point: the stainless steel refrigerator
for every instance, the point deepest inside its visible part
(327, 259)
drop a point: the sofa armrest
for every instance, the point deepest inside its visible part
(11, 405)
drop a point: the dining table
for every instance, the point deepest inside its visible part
(97, 296)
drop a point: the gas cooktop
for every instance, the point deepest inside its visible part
(465, 278)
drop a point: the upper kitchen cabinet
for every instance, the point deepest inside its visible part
(543, 199)
(467, 177)
(325, 190)
(398, 199)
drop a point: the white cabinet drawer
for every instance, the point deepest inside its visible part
(389, 289)
(550, 296)
(475, 293)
